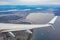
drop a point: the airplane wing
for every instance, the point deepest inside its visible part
(4, 27)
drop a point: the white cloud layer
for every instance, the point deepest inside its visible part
(2, 3)
(30, 2)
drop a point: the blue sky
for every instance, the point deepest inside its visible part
(30, 2)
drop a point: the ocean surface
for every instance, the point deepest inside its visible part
(48, 33)
(17, 14)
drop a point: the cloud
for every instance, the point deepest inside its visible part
(30, 2)
(2, 3)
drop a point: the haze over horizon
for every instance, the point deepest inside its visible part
(29, 2)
